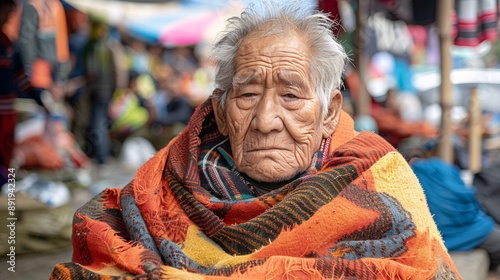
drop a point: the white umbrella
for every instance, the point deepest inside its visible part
(118, 12)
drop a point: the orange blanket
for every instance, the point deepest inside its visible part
(363, 215)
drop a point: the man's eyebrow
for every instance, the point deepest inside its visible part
(291, 79)
(244, 79)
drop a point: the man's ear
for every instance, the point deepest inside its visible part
(331, 119)
(220, 117)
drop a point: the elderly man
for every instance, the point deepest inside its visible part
(269, 180)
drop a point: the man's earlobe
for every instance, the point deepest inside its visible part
(331, 119)
(220, 117)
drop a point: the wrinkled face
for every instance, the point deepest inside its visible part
(272, 114)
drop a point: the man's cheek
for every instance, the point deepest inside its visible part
(234, 130)
(303, 133)
(239, 120)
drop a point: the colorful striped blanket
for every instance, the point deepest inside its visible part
(363, 215)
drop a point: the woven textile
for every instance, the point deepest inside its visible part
(363, 215)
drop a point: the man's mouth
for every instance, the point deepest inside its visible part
(263, 149)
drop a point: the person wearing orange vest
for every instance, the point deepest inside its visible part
(43, 42)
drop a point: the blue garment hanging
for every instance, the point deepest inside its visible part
(459, 217)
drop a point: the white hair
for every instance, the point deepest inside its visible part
(327, 56)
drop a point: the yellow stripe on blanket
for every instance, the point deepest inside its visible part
(395, 177)
(206, 252)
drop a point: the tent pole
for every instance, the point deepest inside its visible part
(361, 59)
(475, 131)
(445, 148)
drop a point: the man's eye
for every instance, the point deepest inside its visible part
(291, 96)
(247, 94)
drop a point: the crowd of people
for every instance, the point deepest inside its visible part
(100, 83)
(130, 87)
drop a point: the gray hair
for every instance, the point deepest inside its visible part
(328, 57)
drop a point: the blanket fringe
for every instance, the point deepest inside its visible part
(168, 272)
(114, 246)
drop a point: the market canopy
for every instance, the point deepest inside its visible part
(181, 26)
(170, 23)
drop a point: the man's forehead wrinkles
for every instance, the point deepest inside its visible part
(257, 57)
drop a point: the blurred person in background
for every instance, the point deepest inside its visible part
(181, 59)
(393, 127)
(76, 98)
(172, 104)
(13, 80)
(155, 60)
(138, 56)
(43, 42)
(101, 72)
(131, 108)
(173, 110)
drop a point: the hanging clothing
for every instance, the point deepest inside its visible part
(476, 21)
(462, 222)
(388, 35)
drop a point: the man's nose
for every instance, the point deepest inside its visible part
(267, 116)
